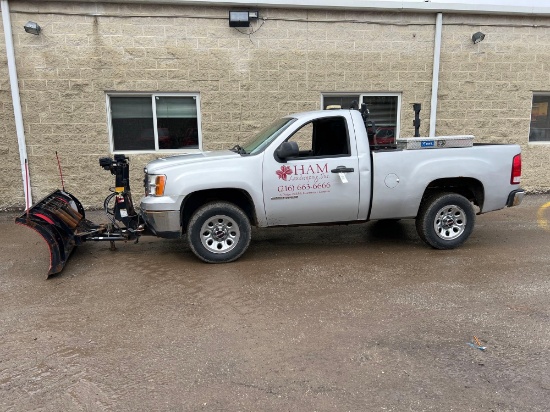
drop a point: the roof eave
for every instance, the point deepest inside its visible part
(377, 5)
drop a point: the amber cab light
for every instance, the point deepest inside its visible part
(515, 179)
(160, 182)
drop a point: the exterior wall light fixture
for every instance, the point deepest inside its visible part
(478, 37)
(241, 18)
(32, 28)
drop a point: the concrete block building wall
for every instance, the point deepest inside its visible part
(487, 89)
(248, 77)
(10, 167)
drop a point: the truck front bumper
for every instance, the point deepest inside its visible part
(162, 215)
(163, 223)
(515, 197)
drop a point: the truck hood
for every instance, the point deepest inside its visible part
(168, 162)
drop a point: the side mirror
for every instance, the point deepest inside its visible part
(287, 149)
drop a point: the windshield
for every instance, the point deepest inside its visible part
(266, 136)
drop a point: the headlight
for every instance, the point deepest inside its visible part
(155, 185)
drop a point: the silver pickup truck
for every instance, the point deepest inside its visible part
(317, 167)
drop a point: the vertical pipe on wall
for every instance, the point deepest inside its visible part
(14, 84)
(435, 75)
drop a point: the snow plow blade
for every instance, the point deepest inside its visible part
(59, 219)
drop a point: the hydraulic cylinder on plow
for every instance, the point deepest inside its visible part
(60, 218)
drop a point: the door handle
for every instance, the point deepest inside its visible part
(343, 169)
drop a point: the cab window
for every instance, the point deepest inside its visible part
(323, 137)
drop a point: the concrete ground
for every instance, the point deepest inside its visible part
(342, 318)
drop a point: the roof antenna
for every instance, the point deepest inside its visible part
(60, 172)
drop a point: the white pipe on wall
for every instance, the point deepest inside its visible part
(14, 84)
(435, 74)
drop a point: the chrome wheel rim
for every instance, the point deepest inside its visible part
(450, 222)
(220, 234)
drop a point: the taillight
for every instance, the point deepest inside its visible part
(516, 170)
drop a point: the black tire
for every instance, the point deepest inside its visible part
(445, 220)
(218, 232)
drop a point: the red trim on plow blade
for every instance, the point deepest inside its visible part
(47, 219)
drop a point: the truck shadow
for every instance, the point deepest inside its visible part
(375, 235)
(395, 230)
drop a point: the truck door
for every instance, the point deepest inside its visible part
(319, 184)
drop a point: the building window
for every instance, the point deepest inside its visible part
(154, 122)
(540, 118)
(384, 108)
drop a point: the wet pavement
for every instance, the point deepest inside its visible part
(339, 318)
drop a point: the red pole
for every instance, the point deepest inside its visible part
(60, 172)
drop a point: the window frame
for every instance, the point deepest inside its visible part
(363, 94)
(152, 95)
(540, 142)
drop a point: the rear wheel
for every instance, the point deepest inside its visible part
(445, 220)
(218, 232)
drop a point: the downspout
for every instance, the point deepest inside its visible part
(14, 83)
(435, 74)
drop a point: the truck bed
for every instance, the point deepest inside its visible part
(400, 176)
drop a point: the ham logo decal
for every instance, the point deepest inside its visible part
(303, 179)
(284, 172)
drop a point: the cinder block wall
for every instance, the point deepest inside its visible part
(246, 80)
(487, 89)
(11, 178)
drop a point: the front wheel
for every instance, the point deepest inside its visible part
(445, 220)
(219, 232)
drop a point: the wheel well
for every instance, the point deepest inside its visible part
(195, 200)
(471, 189)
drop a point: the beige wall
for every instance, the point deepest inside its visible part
(246, 81)
(10, 168)
(487, 89)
